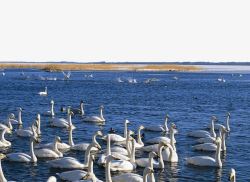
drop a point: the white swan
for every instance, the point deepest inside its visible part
(22, 157)
(119, 138)
(165, 139)
(159, 128)
(72, 163)
(232, 175)
(170, 154)
(3, 141)
(211, 146)
(102, 157)
(60, 146)
(2, 177)
(3, 126)
(96, 119)
(145, 162)
(217, 126)
(51, 112)
(206, 160)
(76, 175)
(27, 132)
(84, 146)
(79, 110)
(61, 122)
(19, 120)
(131, 177)
(123, 165)
(43, 93)
(203, 133)
(48, 153)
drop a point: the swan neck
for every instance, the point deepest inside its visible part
(20, 117)
(69, 120)
(38, 126)
(213, 134)
(151, 158)
(101, 115)
(139, 137)
(9, 124)
(128, 146)
(132, 154)
(81, 109)
(33, 156)
(2, 136)
(172, 139)
(90, 166)
(107, 172)
(227, 123)
(161, 163)
(87, 154)
(71, 142)
(52, 109)
(217, 155)
(125, 130)
(223, 138)
(108, 146)
(166, 124)
(2, 178)
(145, 175)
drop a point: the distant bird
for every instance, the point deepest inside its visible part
(43, 93)
(66, 75)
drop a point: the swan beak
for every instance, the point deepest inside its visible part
(99, 147)
(2, 156)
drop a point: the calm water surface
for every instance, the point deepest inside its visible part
(190, 101)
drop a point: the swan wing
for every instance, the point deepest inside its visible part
(66, 163)
(24, 132)
(121, 165)
(93, 119)
(150, 148)
(74, 175)
(201, 161)
(206, 140)
(157, 128)
(205, 147)
(18, 157)
(158, 140)
(46, 153)
(131, 177)
(199, 134)
(83, 147)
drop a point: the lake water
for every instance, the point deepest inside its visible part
(190, 101)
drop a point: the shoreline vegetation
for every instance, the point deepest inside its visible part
(53, 67)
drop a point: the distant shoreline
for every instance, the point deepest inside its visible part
(51, 67)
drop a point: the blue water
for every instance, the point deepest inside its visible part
(190, 101)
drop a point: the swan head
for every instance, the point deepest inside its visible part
(58, 139)
(141, 127)
(99, 133)
(166, 117)
(52, 102)
(11, 116)
(19, 109)
(38, 117)
(173, 126)
(232, 175)
(228, 114)
(214, 118)
(127, 121)
(218, 140)
(101, 107)
(2, 156)
(8, 130)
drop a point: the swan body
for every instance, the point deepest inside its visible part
(203, 133)
(158, 140)
(52, 179)
(208, 139)
(70, 162)
(119, 138)
(48, 153)
(211, 146)
(76, 175)
(24, 132)
(96, 119)
(43, 93)
(60, 146)
(150, 148)
(22, 157)
(63, 123)
(206, 160)
(84, 146)
(159, 128)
